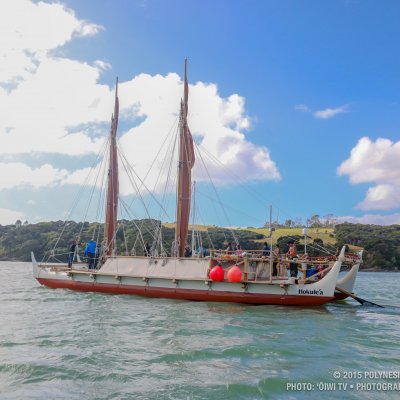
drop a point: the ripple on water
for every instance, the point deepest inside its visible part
(65, 344)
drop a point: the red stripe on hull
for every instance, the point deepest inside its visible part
(187, 294)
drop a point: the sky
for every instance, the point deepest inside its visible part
(297, 100)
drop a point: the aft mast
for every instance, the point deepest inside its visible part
(185, 165)
(110, 226)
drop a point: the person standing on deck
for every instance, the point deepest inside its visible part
(188, 251)
(266, 250)
(147, 249)
(292, 253)
(71, 254)
(90, 253)
(276, 255)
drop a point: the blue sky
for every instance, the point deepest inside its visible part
(309, 86)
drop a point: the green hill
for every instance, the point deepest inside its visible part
(381, 244)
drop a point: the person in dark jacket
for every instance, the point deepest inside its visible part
(265, 250)
(229, 249)
(71, 253)
(147, 249)
(188, 251)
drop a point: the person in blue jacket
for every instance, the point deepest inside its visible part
(90, 253)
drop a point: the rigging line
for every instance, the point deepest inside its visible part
(242, 182)
(130, 174)
(219, 220)
(123, 233)
(93, 190)
(101, 201)
(216, 193)
(208, 234)
(158, 152)
(164, 200)
(100, 157)
(193, 215)
(130, 214)
(314, 246)
(139, 230)
(196, 233)
(216, 212)
(96, 224)
(152, 164)
(133, 182)
(131, 178)
(252, 217)
(82, 187)
(321, 248)
(167, 158)
(202, 220)
(230, 173)
(160, 148)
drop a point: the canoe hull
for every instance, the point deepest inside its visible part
(187, 293)
(347, 282)
(185, 279)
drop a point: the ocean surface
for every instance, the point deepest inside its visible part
(60, 344)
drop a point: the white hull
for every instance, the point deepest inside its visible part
(347, 282)
(185, 278)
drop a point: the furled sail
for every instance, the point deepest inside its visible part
(110, 226)
(185, 165)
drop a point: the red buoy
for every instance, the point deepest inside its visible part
(217, 274)
(234, 274)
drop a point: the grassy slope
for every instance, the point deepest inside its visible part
(326, 234)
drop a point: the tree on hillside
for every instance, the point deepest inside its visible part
(289, 223)
(314, 221)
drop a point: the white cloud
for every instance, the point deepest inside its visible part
(322, 114)
(29, 31)
(376, 163)
(302, 108)
(374, 219)
(56, 105)
(381, 197)
(215, 122)
(330, 112)
(21, 175)
(9, 217)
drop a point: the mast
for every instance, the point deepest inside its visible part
(185, 165)
(110, 226)
(270, 243)
(194, 219)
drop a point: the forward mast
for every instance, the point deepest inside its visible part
(185, 165)
(110, 226)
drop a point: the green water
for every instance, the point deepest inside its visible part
(59, 344)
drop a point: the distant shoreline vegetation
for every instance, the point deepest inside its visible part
(381, 244)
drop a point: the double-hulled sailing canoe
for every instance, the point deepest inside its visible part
(174, 275)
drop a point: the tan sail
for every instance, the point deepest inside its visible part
(110, 226)
(185, 165)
